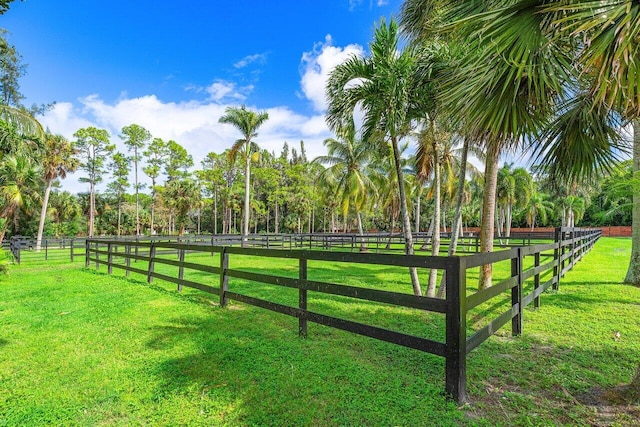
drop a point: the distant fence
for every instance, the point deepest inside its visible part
(25, 248)
(542, 264)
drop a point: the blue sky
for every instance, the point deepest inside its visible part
(174, 67)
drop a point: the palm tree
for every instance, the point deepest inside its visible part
(24, 122)
(538, 206)
(19, 184)
(514, 190)
(182, 195)
(58, 160)
(347, 159)
(247, 122)
(385, 85)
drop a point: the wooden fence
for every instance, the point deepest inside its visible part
(549, 260)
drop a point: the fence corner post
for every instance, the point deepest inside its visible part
(86, 253)
(456, 345)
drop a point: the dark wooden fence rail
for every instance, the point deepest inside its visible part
(24, 248)
(569, 247)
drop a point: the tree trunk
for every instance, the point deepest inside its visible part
(363, 245)
(92, 207)
(135, 161)
(457, 220)
(508, 219)
(633, 273)
(488, 211)
(119, 216)
(418, 212)
(43, 216)
(276, 218)
(435, 245)
(406, 222)
(215, 212)
(247, 182)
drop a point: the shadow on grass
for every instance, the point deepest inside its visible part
(526, 376)
(3, 342)
(254, 362)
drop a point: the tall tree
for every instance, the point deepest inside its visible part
(93, 146)
(58, 159)
(386, 86)
(183, 195)
(120, 171)
(156, 155)
(135, 138)
(247, 122)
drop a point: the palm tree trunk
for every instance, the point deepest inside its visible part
(488, 211)
(363, 245)
(435, 246)
(508, 220)
(418, 212)
(456, 228)
(247, 182)
(43, 215)
(406, 222)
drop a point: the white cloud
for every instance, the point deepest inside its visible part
(221, 90)
(316, 65)
(260, 58)
(193, 124)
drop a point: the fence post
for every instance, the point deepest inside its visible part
(181, 268)
(109, 258)
(127, 250)
(556, 257)
(224, 279)
(152, 255)
(456, 341)
(536, 280)
(302, 297)
(97, 255)
(516, 293)
(86, 253)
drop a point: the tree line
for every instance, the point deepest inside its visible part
(557, 80)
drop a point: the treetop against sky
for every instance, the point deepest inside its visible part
(173, 67)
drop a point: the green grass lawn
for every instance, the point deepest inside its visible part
(78, 347)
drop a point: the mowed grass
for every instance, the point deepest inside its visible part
(78, 347)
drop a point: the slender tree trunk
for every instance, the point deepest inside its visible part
(428, 239)
(363, 245)
(418, 212)
(215, 212)
(435, 246)
(509, 218)
(119, 215)
(247, 182)
(488, 211)
(457, 220)
(92, 207)
(43, 215)
(135, 162)
(406, 222)
(276, 219)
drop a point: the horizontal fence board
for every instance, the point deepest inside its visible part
(189, 283)
(485, 295)
(394, 298)
(382, 334)
(483, 334)
(490, 257)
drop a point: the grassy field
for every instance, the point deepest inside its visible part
(78, 347)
